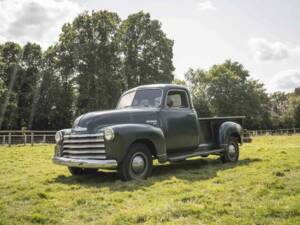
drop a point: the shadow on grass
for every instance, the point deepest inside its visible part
(190, 170)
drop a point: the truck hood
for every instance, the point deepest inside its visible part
(94, 121)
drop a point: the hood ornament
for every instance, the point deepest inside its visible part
(79, 129)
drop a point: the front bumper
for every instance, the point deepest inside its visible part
(86, 163)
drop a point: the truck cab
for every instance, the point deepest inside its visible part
(150, 122)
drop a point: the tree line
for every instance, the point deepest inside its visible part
(227, 90)
(98, 56)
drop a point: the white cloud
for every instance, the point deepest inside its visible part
(265, 50)
(286, 80)
(34, 20)
(205, 5)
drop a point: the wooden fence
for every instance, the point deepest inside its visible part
(14, 137)
(289, 131)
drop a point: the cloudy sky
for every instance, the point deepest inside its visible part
(264, 35)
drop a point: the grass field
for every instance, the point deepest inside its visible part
(262, 188)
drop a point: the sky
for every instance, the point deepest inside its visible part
(263, 35)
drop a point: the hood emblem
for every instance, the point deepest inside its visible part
(79, 129)
(152, 122)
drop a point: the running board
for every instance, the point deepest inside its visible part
(194, 154)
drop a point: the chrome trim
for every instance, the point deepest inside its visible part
(83, 146)
(79, 129)
(85, 157)
(66, 146)
(99, 164)
(83, 135)
(84, 140)
(152, 122)
(83, 151)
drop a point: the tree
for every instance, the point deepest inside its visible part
(226, 90)
(297, 91)
(89, 50)
(297, 115)
(279, 103)
(10, 58)
(179, 82)
(27, 84)
(54, 107)
(147, 52)
(199, 85)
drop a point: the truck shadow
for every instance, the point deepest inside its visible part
(190, 170)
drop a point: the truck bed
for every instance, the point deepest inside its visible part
(209, 138)
(209, 127)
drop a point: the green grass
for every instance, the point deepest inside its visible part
(262, 188)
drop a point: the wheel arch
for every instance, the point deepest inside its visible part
(237, 136)
(129, 134)
(228, 129)
(148, 143)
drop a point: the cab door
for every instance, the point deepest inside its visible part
(179, 120)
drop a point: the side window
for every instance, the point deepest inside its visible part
(177, 99)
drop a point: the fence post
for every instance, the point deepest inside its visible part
(9, 139)
(3, 139)
(294, 130)
(32, 138)
(25, 139)
(44, 138)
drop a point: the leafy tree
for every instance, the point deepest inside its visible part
(54, 107)
(297, 91)
(199, 86)
(89, 52)
(226, 90)
(10, 58)
(147, 52)
(297, 115)
(27, 84)
(179, 82)
(279, 103)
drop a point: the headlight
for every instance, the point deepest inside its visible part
(58, 136)
(109, 134)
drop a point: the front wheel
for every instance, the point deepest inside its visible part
(231, 153)
(137, 164)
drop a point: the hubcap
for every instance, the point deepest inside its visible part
(231, 151)
(138, 164)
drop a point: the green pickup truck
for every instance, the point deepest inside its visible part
(150, 122)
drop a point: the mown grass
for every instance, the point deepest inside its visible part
(262, 188)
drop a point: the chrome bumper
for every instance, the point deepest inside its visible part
(86, 163)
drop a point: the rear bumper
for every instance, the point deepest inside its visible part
(86, 163)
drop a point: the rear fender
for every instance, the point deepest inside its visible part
(228, 129)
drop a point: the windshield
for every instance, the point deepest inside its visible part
(141, 98)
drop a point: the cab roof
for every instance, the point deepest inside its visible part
(165, 87)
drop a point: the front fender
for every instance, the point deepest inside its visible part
(227, 129)
(126, 134)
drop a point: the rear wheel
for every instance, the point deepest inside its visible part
(231, 153)
(76, 171)
(137, 164)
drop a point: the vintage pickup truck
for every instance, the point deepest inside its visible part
(150, 122)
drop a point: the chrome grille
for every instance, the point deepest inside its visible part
(84, 146)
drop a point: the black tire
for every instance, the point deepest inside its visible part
(141, 154)
(232, 151)
(76, 171)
